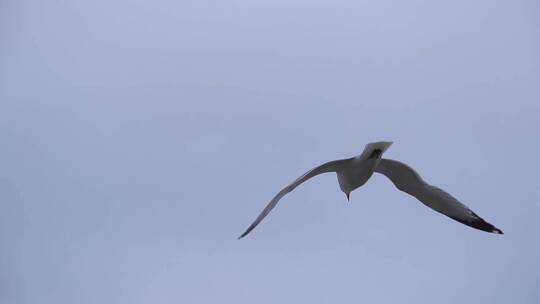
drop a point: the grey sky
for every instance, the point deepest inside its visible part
(140, 138)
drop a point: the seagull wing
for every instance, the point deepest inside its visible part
(407, 180)
(332, 166)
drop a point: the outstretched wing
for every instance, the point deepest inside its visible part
(332, 166)
(407, 180)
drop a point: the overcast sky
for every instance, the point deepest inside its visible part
(140, 138)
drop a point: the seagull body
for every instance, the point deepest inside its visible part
(354, 172)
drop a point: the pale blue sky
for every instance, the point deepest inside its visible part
(140, 138)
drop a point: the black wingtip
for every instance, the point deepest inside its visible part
(246, 232)
(497, 231)
(480, 224)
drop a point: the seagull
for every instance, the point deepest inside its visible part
(356, 171)
(351, 173)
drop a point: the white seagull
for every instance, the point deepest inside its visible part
(354, 172)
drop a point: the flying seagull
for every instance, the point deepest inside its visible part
(351, 174)
(354, 172)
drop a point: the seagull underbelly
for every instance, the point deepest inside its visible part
(349, 181)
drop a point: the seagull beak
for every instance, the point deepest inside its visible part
(348, 198)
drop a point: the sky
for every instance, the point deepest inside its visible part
(140, 138)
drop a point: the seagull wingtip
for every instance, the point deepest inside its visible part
(243, 235)
(497, 231)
